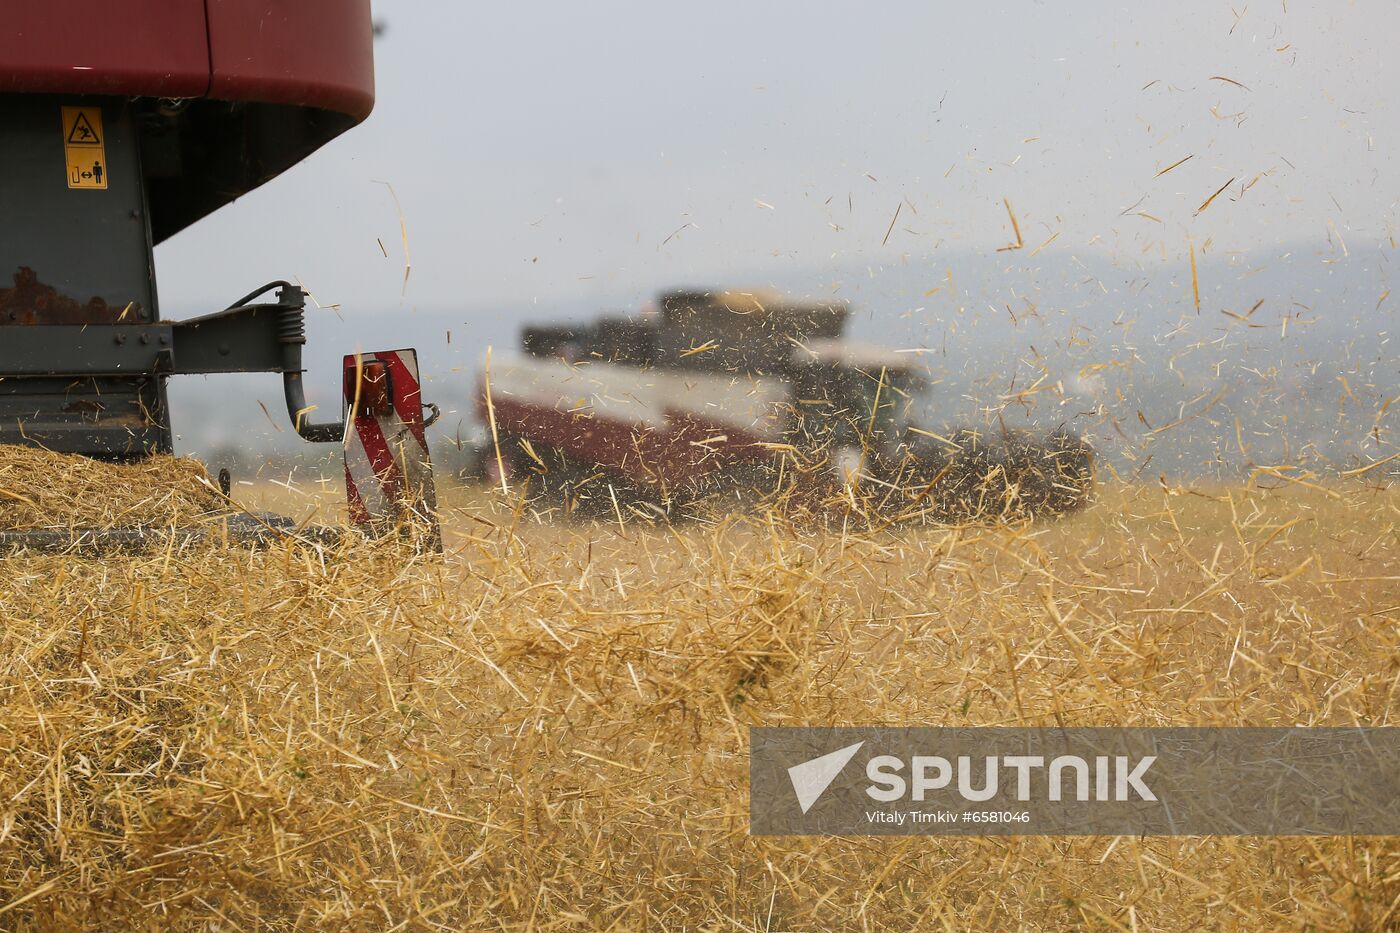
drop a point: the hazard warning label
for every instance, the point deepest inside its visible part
(85, 147)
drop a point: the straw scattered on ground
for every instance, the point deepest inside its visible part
(43, 489)
(547, 728)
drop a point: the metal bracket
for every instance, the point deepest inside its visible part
(87, 350)
(239, 340)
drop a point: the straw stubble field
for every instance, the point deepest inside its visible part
(546, 729)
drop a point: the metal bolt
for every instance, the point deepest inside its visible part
(119, 338)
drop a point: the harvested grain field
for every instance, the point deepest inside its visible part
(547, 727)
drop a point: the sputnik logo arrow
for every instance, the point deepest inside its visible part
(811, 778)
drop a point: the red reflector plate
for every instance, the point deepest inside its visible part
(388, 473)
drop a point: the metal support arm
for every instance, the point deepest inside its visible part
(257, 338)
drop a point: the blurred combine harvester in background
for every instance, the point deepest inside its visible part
(726, 397)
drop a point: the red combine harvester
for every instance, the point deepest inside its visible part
(124, 123)
(736, 392)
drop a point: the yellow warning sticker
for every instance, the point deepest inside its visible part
(85, 147)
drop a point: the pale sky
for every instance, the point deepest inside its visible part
(546, 152)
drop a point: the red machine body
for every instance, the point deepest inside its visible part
(309, 53)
